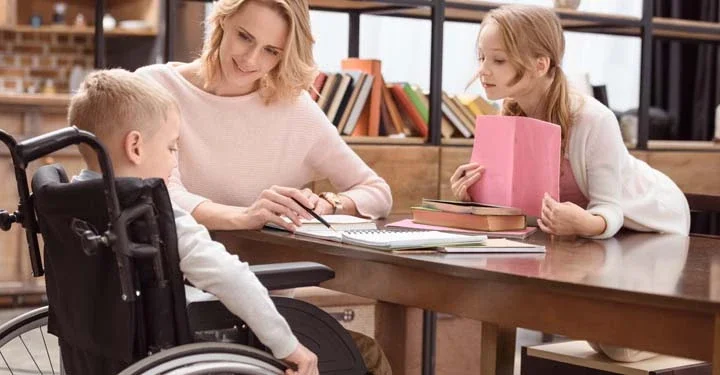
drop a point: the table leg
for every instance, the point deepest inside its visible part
(497, 350)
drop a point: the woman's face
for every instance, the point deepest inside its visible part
(495, 71)
(252, 45)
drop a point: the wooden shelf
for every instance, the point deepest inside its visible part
(362, 140)
(41, 100)
(458, 141)
(572, 20)
(72, 30)
(686, 29)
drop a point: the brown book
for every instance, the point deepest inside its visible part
(409, 108)
(489, 223)
(461, 207)
(393, 110)
(359, 79)
(369, 121)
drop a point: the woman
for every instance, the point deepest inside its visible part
(251, 136)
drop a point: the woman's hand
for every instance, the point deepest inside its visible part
(567, 218)
(464, 176)
(276, 202)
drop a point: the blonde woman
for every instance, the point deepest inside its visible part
(602, 186)
(251, 136)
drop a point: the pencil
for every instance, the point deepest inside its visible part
(316, 216)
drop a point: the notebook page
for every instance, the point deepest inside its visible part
(393, 240)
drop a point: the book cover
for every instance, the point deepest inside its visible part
(488, 223)
(521, 156)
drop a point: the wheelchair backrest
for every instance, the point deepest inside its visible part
(100, 329)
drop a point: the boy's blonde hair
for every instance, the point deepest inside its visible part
(530, 32)
(296, 69)
(110, 103)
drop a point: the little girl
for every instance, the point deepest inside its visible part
(602, 186)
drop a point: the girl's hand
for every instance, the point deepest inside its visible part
(567, 218)
(464, 176)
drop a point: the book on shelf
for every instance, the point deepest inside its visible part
(356, 102)
(318, 85)
(409, 224)
(328, 90)
(521, 156)
(409, 109)
(369, 121)
(490, 223)
(341, 94)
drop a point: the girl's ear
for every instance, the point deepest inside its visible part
(132, 145)
(542, 66)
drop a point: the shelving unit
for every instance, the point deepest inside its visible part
(647, 27)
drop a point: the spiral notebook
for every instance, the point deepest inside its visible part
(395, 240)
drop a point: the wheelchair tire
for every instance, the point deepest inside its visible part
(26, 346)
(208, 358)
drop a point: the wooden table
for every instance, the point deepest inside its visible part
(647, 291)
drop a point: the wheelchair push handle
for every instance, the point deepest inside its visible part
(42, 145)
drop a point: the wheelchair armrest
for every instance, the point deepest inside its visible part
(292, 275)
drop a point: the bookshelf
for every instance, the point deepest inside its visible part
(647, 28)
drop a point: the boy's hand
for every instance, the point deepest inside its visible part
(464, 176)
(305, 360)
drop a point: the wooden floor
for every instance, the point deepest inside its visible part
(21, 363)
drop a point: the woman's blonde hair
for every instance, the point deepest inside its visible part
(530, 32)
(296, 68)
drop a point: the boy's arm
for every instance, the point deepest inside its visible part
(208, 265)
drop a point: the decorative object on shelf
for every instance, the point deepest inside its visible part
(59, 10)
(80, 20)
(36, 20)
(566, 4)
(8, 12)
(109, 22)
(77, 75)
(134, 25)
(49, 87)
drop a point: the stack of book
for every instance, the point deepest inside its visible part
(469, 215)
(360, 103)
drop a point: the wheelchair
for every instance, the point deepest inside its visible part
(116, 295)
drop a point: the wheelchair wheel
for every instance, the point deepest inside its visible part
(208, 358)
(26, 347)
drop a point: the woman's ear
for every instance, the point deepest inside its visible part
(542, 66)
(132, 145)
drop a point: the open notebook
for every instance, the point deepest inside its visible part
(363, 232)
(394, 239)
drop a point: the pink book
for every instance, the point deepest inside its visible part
(521, 156)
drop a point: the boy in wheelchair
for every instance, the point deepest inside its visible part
(139, 123)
